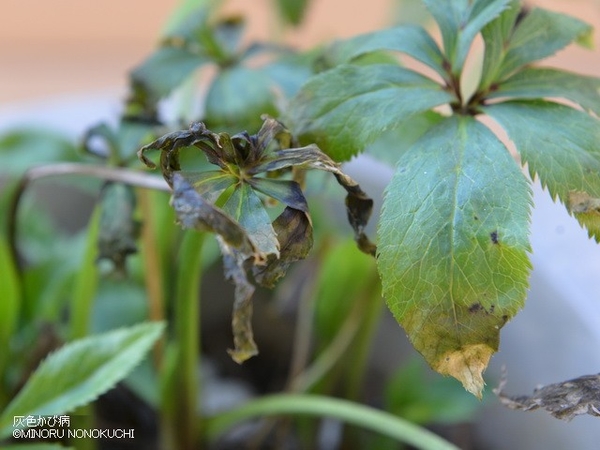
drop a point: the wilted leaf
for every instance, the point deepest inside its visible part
(118, 228)
(295, 235)
(79, 372)
(453, 243)
(563, 400)
(196, 213)
(358, 204)
(537, 83)
(344, 109)
(565, 156)
(241, 322)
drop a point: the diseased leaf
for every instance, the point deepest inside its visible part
(565, 156)
(460, 21)
(537, 83)
(286, 191)
(563, 400)
(346, 108)
(540, 34)
(241, 322)
(412, 40)
(196, 213)
(209, 184)
(118, 227)
(359, 205)
(166, 69)
(79, 372)
(295, 235)
(453, 243)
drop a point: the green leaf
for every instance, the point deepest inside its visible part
(10, 301)
(540, 34)
(496, 36)
(79, 372)
(237, 97)
(292, 11)
(460, 21)
(537, 83)
(187, 19)
(412, 40)
(346, 108)
(245, 207)
(453, 243)
(561, 146)
(209, 184)
(167, 68)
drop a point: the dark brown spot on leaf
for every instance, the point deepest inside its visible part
(494, 237)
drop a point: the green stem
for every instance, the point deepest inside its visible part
(350, 412)
(181, 394)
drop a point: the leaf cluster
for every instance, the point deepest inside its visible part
(453, 233)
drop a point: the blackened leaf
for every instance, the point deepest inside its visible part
(247, 209)
(563, 400)
(358, 204)
(195, 212)
(270, 131)
(286, 191)
(344, 109)
(167, 68)
(241, 322)
(118, 228)
(295, 236)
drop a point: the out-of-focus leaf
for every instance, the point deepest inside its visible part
(23, 148)
(540, 34)
(167, 68)
(344, 109)
(453, 243)
(460, 21)
(295, 235)
(563, 400)
(292, 11)
(10, 301)
(228, 34)
(187, 19)
(415, 396)
(118, 228)
(237, 97)
(412, 40)
(196, 213)
(79, 372)
(290, 71)
(565, 156)
(537, 83)
(496, 36)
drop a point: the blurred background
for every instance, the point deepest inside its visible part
(70, 46)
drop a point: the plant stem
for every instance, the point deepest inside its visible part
(345, 410)
(181, 394)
